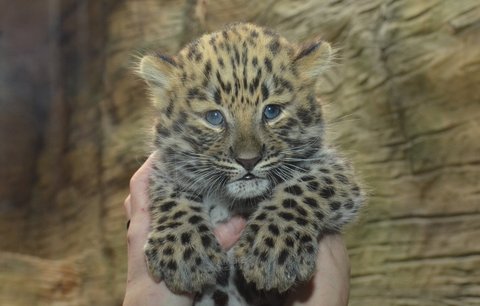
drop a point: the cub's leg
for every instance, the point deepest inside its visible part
(181, 248)
(279, 245)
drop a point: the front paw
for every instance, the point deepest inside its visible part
(186, 262)
(271, 258)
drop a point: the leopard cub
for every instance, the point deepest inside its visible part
(240, 132)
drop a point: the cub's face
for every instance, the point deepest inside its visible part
(237, 110)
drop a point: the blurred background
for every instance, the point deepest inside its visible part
(403, 102)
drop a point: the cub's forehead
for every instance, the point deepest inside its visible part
(243, 63)
(239, 45)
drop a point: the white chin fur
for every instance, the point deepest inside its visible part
(244, 189)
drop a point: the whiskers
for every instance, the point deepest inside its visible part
(196, 172)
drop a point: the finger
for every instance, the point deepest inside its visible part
(127, 205)
(137, 237)
(228, 233)
(139, 220)
(331, 282)
(139, 185)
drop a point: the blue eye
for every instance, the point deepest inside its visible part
(271, 111)
(214, 117)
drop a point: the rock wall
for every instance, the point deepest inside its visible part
(403, 102)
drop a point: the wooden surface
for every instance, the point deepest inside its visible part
(403, 102)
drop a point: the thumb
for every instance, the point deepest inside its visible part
(228, 233)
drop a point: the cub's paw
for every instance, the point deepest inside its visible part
(186, 262)
(272, 260)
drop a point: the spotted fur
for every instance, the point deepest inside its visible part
(292, 187)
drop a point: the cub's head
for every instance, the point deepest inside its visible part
(236, 109)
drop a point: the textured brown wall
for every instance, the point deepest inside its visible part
(403, 102)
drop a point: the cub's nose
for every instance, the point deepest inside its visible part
(249, 163)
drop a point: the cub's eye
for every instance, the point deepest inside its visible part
(271, 111)
(214, 117)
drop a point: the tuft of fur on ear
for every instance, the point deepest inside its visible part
(313, 59)
(157, 71)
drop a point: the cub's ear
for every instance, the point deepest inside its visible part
(313, 59)
(158, 71)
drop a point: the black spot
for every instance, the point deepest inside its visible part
(254, 227)
(217, 96)
(167, 59)
(194, 219)
(168, 251)
(308, 49)
(206, 240)
(338, 216)
(222, 277)
(356, 190)
(274, 47)
(319, 215)
(221, 62)
(282, 257)
(305, 239)
(208, 69)
(171, 238)
(305, 116)
(203, 228)
(273, 229)
(185, 238)
(289, 203)
(161, 228)
(187, 253)
(335, 205)
(327, 180)
(289, 242)
(311, 202)
(271, 207)
(162, 131)
(295, 190)
(327, 192)
(309, 248)
(172, 265)
(338, 167)
(265, 93)
(255, 61)
(163, 219)
(301, 211)
(312, 186)
(264, 256)
(349, 204)
(268, 63)
(179, 214)
(173, 224)
(269, 242)
(342, 178)
(167, 206)
(254, 33)
(307, 178)
(323, 170)
(261, 216)
(198, 261)
(301, 221)
(286, 216)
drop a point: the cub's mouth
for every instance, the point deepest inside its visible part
(248, 186)
(248, 176)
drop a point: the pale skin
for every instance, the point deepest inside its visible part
(328, 287)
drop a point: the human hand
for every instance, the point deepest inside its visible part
(329, 286)
(141, 288)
